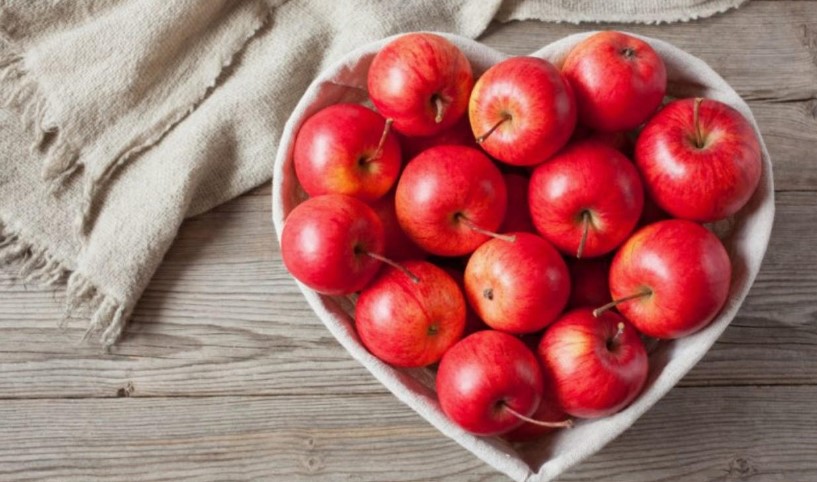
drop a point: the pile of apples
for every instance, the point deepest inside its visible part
(525, 233)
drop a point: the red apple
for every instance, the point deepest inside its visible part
(457, 135)
(472, 322)
(700, 159)
(450, 199)
(517, 215)
(329, 241)
(398, 245)
(671, 278)
(598, 365)
(618, 80)
(587, 199)
(422, 81)
(589, 278)
(487, 380)
(346, 149)
(549, 411)
(410, 323)
(517, 287)
(522, 111)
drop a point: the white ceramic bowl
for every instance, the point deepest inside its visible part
(745, 236)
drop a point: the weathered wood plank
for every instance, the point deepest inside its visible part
(790, 132)
(775, 333)
(260, 390)
(717, 434)
(766, 50)
(765, 433)
(259, 438)
(222, 316)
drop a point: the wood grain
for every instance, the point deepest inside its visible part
(695, 433)
(226, 374)
(223, 317)
(766, 50)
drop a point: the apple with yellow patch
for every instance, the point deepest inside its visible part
(347, 149)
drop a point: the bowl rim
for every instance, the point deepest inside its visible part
(420, 398)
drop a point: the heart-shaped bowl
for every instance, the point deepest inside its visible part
(745, 235)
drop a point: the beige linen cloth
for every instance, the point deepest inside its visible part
(120, 118)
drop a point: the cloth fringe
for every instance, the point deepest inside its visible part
(20, 93)
(32, 264)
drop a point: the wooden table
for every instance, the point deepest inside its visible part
(227, 374)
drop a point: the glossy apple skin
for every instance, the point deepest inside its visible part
(457, 135)
(589, 282)
(687, 269)
(410, 324)
(335, 150)
(473, 323)
(586, 177)
(517, 287)
(540, 104)
(593, 374)
(480, 374)
(399, 246)
(549, 410)
(322, 241)
(618, 81)
(700, 184)
(442, 184)
(517, 215)
(409, 73)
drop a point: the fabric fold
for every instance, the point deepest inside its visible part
(105, 98)
(132, 115)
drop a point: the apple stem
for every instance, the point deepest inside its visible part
(699, 138)
(379, 151)
(481, 139)
(619, 331)
(470, 224)
(598, 311)
(563, 424)
(628, 52)
(393, 264)
(585, 229)
(438, 103)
